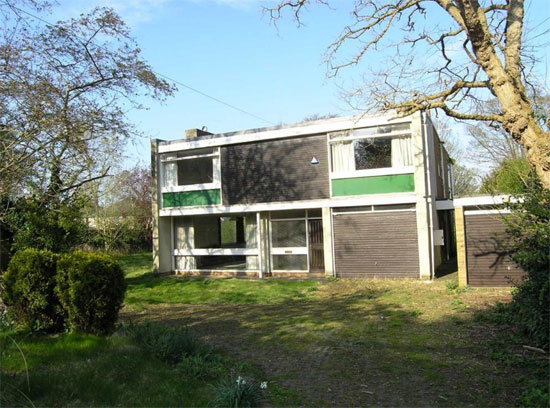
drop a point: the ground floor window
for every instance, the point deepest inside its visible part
(231, 262)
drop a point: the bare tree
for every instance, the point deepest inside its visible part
(64, 93)
(452, 55)
(466, 181)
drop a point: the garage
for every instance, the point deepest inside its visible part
(481, 241)
(375, 242)
(488, 262)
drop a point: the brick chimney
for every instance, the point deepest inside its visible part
(193, 133)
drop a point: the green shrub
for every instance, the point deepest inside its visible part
(535, 395)
(169, 344)
(29, 290)
(237, 392)
(91, 289)
(529, 228)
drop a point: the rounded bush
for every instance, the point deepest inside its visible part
(91, 289)
(29, 290)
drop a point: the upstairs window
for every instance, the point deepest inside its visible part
(191, 168)
(195, 171)
(372, 153)
(369, 149)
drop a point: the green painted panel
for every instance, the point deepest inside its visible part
(396, 183)
(187, 198)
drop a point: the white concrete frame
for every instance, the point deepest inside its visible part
(298, 130)
(476, 201)
(386, 171)
(288, 250)
(216, 174)
(348, 201)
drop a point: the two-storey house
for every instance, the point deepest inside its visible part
(347, 197)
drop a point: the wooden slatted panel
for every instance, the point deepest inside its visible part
(487, 263)
(316, 249)
(376, 245)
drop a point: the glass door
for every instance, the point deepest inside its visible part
(289, 243)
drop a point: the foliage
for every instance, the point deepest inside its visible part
(535, 395)
(66, 88)
(37, 222)
(29, 290)
(529, 229)
(453, 56)
(509, 177)
(237, 392)
(465, 181)
(169, 344)
(91, 289)
(120, 214)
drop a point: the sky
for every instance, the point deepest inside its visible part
(230, 49)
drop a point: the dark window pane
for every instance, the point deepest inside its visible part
(278, 215)
(372, 153)
(195, 152)
(314, 213)
(195, 171)
(221, 262)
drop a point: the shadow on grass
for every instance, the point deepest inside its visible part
(360, 348)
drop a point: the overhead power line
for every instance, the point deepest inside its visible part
(162, 75)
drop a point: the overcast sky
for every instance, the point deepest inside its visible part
(230, 50)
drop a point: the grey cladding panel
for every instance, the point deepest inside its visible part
(275, 170)
(376, 245)
(488, 262)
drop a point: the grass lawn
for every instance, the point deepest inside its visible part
(86, 370)
(353, 343)
(316, 342)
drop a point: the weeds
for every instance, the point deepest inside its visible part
(169, 344)
(9, 394)
(237, 392)
(202, 367)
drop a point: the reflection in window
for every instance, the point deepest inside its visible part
(372, 153)
(288, 234)
(195, 171)
(290, 262)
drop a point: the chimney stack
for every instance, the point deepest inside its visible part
(193, 133)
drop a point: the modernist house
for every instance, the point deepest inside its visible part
(347, 197)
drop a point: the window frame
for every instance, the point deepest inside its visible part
(355, 135)
(216, 172)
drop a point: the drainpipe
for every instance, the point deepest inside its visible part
(429, 198)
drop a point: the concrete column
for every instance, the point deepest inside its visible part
(421, 190)
(461, 246)
(162, 227)
(327, 242)
(264, 243)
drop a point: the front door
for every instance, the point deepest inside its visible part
(289, 245)
(316, 249)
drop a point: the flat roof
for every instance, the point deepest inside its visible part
(282, 131)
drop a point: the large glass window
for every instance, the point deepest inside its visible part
(195, 171)
(361, 150)
(191, 167)
(288, 234)
(372, 153)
